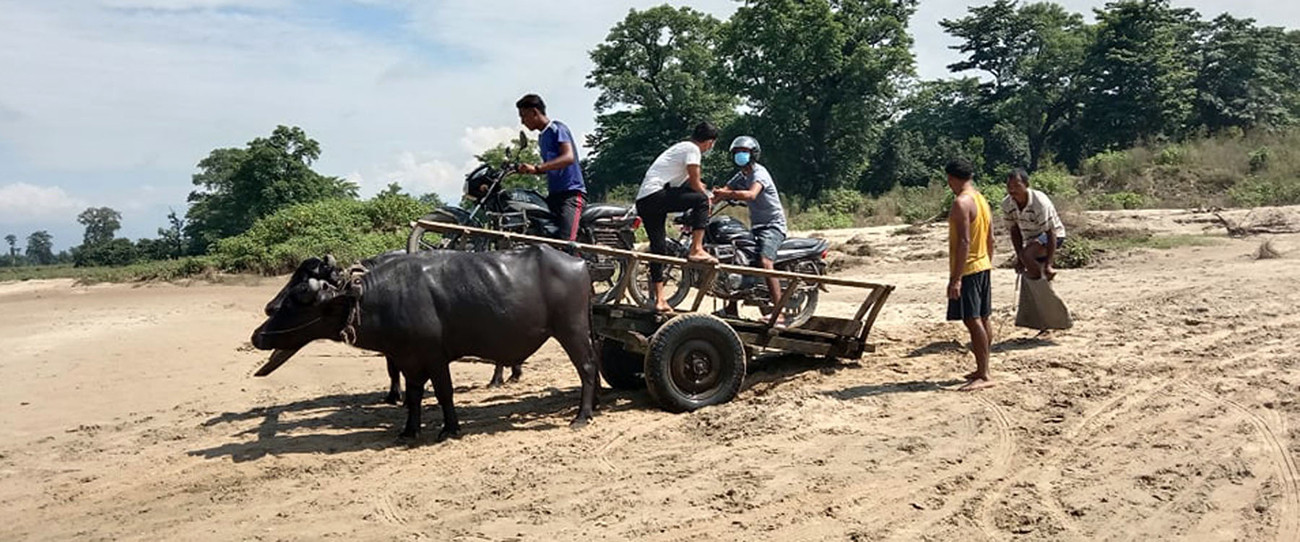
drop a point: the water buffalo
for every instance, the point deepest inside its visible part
(425, 310)
(394, 376)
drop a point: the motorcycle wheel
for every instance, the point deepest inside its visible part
(800, 309)
(604, 290)
(422, 239)
(677, 281)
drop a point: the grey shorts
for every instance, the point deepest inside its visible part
(769, 241)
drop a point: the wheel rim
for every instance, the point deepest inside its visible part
(696, 368)
(605, 288)
(430, 241)
(673, 282)
(797, 305)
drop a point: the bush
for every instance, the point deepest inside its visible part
(1259, 159)
(348, 229)
(1055, 182)
(1077, 252)
(922, 203)
(841, 201)
(623, 193)
(115, 253)
(1118, 200)
(821, 219)
(1270, 190)
(1171, 155)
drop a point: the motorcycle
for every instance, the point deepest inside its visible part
(727, 239)
(524, 210)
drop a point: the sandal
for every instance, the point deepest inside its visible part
(702, 259)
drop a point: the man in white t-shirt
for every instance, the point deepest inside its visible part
(673, 184)
(1036, 228)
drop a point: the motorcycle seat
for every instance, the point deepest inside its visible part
(602, 210)
(799, 247)
(801, 243)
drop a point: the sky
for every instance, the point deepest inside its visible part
(113, 102)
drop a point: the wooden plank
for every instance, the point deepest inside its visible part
(838, 326)
(705, 286)
(645, 256)
(875, 311)
(785, 344)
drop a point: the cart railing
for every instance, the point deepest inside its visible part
(856, 328)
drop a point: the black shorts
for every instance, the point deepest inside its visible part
(976, 299)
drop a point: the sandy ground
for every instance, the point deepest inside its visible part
(1171, 411)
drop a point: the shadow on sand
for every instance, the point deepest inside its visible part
(313, 426)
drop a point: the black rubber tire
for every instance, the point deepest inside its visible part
(413, 241)
(621, 267)
(809, 307)
(451, 241)
(695, 360)
(622, 370)
(677, 291)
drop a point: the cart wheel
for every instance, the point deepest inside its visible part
(622, 370)
(694, 361)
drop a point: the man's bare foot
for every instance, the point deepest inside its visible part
(701, 257)
(977, 383)
(1044, 334)
(663, 307)
(970, 376)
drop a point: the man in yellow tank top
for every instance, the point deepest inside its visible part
(970, 259)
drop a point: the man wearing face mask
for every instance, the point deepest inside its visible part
(754, 184)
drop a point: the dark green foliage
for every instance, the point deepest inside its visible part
(240, 185)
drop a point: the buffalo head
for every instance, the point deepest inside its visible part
(313, 305)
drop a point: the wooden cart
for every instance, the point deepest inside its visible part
(690, 359)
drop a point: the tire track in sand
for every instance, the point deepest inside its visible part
(1289, 527)
(625, 436)
(1002, 454)
(1082, 432)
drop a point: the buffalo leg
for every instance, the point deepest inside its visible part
(515, 371)
(577, 344)
(442, 390)
(497, 377)
(414, 394)
(394, 383)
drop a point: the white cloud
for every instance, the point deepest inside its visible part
(22, 202)
(141, 94)
(479, 139)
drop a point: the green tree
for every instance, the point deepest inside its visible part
(393, 189)
(1140, 73)
(1034, 54)
(40, 247)
(238, 186)
(1245, 77)
(940, 119)
(432, 201)
(172, 238)
(101, 225)
(496, 157)
(657, 76)
(820, 77)
(13, 248)
(114, 252)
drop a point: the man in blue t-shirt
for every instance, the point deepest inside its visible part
(566, 191)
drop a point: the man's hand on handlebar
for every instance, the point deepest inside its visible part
(527, 169)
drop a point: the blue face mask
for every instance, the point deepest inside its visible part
(741, 158)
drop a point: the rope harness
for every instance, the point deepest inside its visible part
(353, 288)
